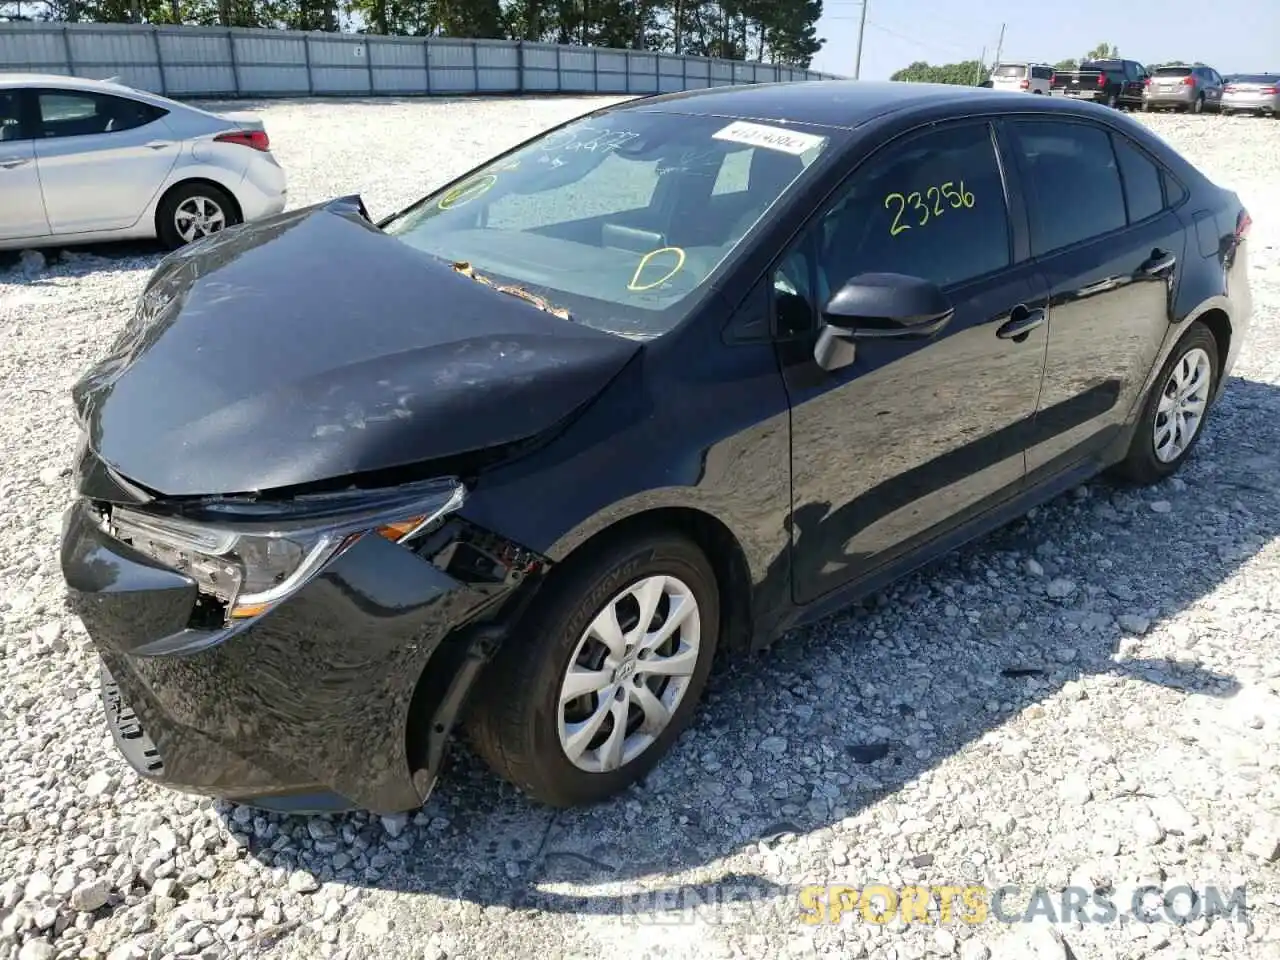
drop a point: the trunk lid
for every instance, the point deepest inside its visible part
(310, 345)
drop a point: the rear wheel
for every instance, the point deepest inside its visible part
(191, 211)
(605, 674)
(1198, 106)
(1146, 106)
(1113, 101)
(1175, 410)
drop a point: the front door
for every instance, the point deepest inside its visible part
(22, 210)
(913, 436)
(1109, 248)
(102, 159)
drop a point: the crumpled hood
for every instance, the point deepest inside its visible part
(310, 345)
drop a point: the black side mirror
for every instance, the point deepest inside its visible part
(879, 306)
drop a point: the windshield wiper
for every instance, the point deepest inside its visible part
(465, 268)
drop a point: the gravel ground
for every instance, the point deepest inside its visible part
(1089, 698)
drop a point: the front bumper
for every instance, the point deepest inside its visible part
(309, 707)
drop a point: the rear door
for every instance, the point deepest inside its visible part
(102, 158)
(21, 209)
(1108, 246)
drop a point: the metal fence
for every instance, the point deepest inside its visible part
(220, 62)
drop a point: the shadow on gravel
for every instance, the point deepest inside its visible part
(89, 258)
(837, 716)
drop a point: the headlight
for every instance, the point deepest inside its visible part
(251, 555)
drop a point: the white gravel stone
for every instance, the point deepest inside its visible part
(893, 738)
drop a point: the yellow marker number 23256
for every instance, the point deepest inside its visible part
(933, 202)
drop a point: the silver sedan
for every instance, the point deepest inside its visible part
(1252, 93)
(85, 161)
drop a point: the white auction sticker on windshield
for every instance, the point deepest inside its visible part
(775, 138)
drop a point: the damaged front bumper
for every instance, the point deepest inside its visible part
(342, 696)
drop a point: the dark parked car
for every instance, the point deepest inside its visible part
(1117, 83)
(661, 383)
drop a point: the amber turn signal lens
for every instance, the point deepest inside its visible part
(396, 532)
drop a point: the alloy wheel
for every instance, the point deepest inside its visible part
(1182, 405)
(628, 673)
(198, 217)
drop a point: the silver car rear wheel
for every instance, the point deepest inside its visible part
(198, 217)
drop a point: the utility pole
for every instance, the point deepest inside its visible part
(999, 45)
(862, 28)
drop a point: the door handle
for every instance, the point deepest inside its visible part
(8, 163)
(1159, 262)
(160, 144)
(1020, 323)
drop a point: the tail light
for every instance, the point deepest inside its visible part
(1146, 82)
(1053, 78)
(1102, 79)
(1269, 91)
(1243, 223)
(1228, 89)
(1025, 84)
(1188, 81)
(257, 139)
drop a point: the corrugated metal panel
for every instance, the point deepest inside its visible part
(107, 49)
(390, 53)
(695, 84)
(643, 63)
(190, 47)
(577, 80)
(541, 56)
(203, 80)
(451, 54)
(611, 82)
(332, 52)
(644, 83)
(578, 60)
(721, 70)
(399, 80)
(496, 55)
(340, 80)
(453, 79)
(670, 84)
(671, 66)
(610, 61)
(540, 79)
(33, 48)
(261, 49)
(495, 80)
(698, 68)
(138, 77)
(273, 79)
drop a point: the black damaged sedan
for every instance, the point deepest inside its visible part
(654, 386)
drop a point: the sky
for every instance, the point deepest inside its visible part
(898, 32)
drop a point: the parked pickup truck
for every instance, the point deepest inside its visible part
(1117, 83)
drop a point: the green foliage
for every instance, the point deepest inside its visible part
(968, 73)
(1103, 51)
(776, 31)
(1067, 65)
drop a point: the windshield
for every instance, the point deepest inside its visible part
(1010, 70)
(1172, 72)
(617, 219)
(1254, 78)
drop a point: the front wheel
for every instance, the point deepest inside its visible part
(1174, 412)
(601, 680)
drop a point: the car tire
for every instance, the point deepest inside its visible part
(192, 198)
(520, 722)
(1198, 106)
(1196, 354)
(1113, 101)
(1146, 107)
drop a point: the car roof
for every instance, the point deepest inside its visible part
(841, 104)
(62, 80)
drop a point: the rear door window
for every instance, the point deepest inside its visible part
(1007, 70)
(1172, 72)
(72, 113)
(1072, 181)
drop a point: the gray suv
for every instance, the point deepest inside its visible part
(1183, 88)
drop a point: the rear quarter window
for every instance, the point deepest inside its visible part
(1144, 195)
